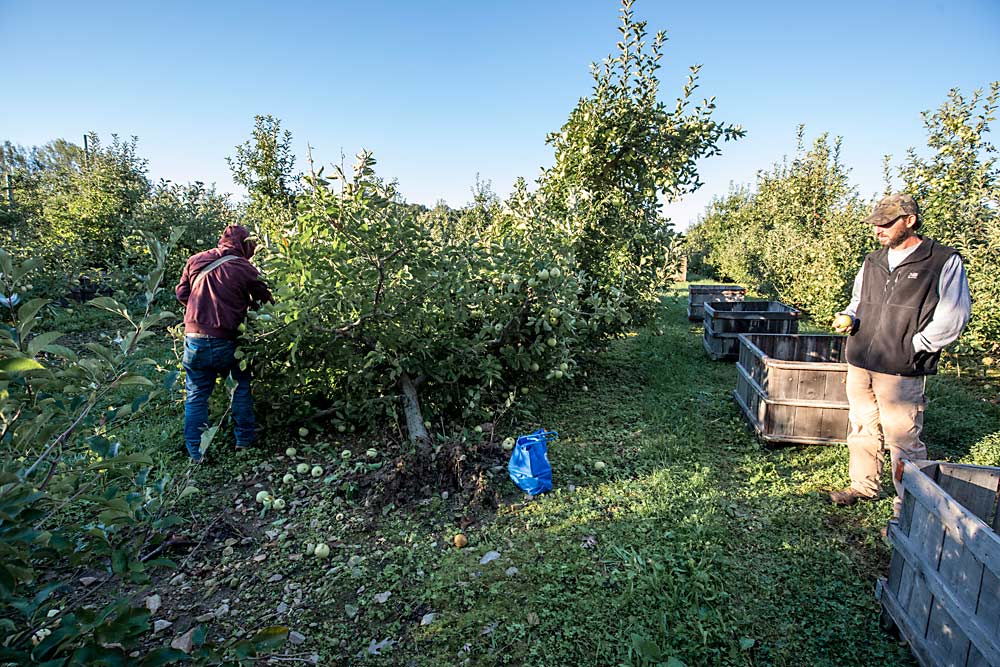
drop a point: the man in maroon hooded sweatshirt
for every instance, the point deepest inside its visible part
(217, 287)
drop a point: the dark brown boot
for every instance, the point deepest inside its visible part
(848, 496)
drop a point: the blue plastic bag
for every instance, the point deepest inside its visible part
(529, 462)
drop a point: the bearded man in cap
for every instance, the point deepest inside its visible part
(910, 300)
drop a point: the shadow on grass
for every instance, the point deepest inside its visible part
(696, 544)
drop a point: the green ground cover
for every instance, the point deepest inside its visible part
(695, 546)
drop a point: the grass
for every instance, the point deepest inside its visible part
(696, 546)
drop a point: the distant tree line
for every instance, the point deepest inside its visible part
(798, 233)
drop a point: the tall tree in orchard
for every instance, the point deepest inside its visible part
(89, 207)
(621, 154)
(958, 187)
(265, 166)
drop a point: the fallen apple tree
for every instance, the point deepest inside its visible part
(387, 313)
(379, 309)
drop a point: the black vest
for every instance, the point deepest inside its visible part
(894, 306)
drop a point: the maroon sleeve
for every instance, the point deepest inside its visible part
(259, 293)
(183, 289)
(256, 288)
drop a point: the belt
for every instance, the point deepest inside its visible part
(197, 335)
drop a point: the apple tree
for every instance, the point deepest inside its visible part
(381, 313)
(620, 155)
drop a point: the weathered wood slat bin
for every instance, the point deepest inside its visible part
(943, 588)
(698, 295)
(725, 321)
(793, 388)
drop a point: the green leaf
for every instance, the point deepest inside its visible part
(646, 648)
(121, 460)
(119, 561)
(61, 351)
(270, 638)
(206, 438)
(188, 490)
(39, 342)
(27, 266)
(676, 662)
(28, 311)
(199, 635)
(7, 582)
(19, 365)
(163, 656)
(109, 517)
(747, 643)
(170, 379)
(107, 303)
(134, 380)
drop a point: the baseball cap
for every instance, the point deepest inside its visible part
(892, 207)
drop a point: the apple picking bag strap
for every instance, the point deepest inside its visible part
(211, 267)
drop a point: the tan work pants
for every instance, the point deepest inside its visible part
(886, 412)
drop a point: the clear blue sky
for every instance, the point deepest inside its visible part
(441, 91)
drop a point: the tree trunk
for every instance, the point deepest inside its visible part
(414, 417)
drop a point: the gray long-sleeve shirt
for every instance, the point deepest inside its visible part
(953, 309)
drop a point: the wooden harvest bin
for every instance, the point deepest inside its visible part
(943, 588)
(698, 295)
(793, 388)
(725, 320)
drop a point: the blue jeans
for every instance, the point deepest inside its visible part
(205, 359)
